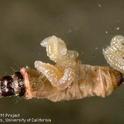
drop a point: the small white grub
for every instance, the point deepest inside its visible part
(27, 67)
(117, 28)
(106, 32)
(99, 5)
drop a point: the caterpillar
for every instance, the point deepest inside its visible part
(68, 79)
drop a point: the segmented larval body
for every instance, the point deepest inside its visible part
(114, 54)
(68, 78)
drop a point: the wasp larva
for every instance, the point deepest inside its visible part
(114, 54)
(68, 78)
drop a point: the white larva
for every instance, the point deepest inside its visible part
(114, 54)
